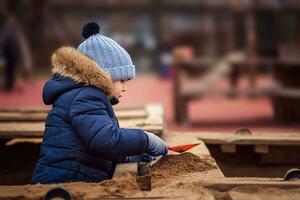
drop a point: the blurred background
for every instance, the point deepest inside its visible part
(215, 65)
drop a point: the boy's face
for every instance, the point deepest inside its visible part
(119, 88)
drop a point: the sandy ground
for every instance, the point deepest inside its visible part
(173, 177)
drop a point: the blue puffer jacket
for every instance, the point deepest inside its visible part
(82, 139)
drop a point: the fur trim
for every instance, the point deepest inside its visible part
(69, 62)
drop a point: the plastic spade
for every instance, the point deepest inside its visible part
(183, 148)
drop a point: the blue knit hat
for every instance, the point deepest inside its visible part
(108, 54)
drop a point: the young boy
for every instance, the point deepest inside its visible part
(82, 139)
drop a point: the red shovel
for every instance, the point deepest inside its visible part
(183, 148)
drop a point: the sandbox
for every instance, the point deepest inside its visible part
(191, 175)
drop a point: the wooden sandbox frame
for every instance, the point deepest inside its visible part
(151, 118)
(30, 122)
(212, 179)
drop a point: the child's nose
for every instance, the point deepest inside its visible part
(124, 88)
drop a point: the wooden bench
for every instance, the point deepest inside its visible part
(197, 78)
(231, 182)
(194, 79)
(30, 122)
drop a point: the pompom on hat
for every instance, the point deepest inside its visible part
(107, 53)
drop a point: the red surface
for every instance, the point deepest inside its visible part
(212, 113)
(24, 94)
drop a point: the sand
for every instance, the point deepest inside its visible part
(173, 177)
(173, 166)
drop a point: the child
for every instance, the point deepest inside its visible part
(82, 139)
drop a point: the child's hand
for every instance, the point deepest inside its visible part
(156, 145)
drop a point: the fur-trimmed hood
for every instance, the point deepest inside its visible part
(69, 62)
(72, 69)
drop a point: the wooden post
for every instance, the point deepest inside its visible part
(251, 42)
(179, 104)
(231, 42)
(261, 148)
(228, 148)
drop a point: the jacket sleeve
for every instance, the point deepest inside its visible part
(99, 131)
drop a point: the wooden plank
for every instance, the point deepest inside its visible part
(228, 183)
(179, 139)
(153, 123)
(288, 92)
(263, 192)
(21, 116)
(24, 130)
(36, 129)
(155, 114)
(78, 190)
(41, 116)
(146, 125)
(92, 190)
(261, 148)
(33, 109)
(150, 118)
(228, 148)
(254, 139)
(204, 90)
(24, 140)
(131, 114)
(39, 109)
